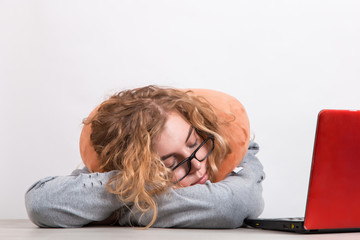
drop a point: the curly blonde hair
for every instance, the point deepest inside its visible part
(123, 132)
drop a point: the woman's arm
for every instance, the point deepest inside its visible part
(82, 198)
(71, 201)
(213, 205)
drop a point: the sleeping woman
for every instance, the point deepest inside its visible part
(158, 157)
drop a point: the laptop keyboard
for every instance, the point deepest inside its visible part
(291, 219)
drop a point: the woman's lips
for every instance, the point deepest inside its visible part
(202, 180)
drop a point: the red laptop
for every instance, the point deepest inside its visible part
(333, 202)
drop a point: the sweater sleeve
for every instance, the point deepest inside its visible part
(224, 204)
(71, 201)
(82, 198)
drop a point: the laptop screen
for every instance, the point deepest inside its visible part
(334, 188)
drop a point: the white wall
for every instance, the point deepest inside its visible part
(285, 60)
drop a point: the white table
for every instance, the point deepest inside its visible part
(24, 229)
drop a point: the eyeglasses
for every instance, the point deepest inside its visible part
(209, 140)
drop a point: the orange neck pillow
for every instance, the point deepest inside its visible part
(237, 132)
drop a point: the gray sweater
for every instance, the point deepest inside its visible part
(81, 198)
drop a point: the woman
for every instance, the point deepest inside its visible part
(156, 150)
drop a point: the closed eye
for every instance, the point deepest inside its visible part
(174, 162)
(195, 144)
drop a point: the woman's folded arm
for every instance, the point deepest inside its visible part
(82, 198)
(71, 201)
(213, 205)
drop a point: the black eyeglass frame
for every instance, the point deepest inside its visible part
(193, 155)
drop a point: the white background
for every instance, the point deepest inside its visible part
(284, 60)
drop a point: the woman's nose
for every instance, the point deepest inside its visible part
(195, 164)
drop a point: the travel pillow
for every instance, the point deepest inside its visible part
(228, 109)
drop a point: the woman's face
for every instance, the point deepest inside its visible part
(177, 141)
